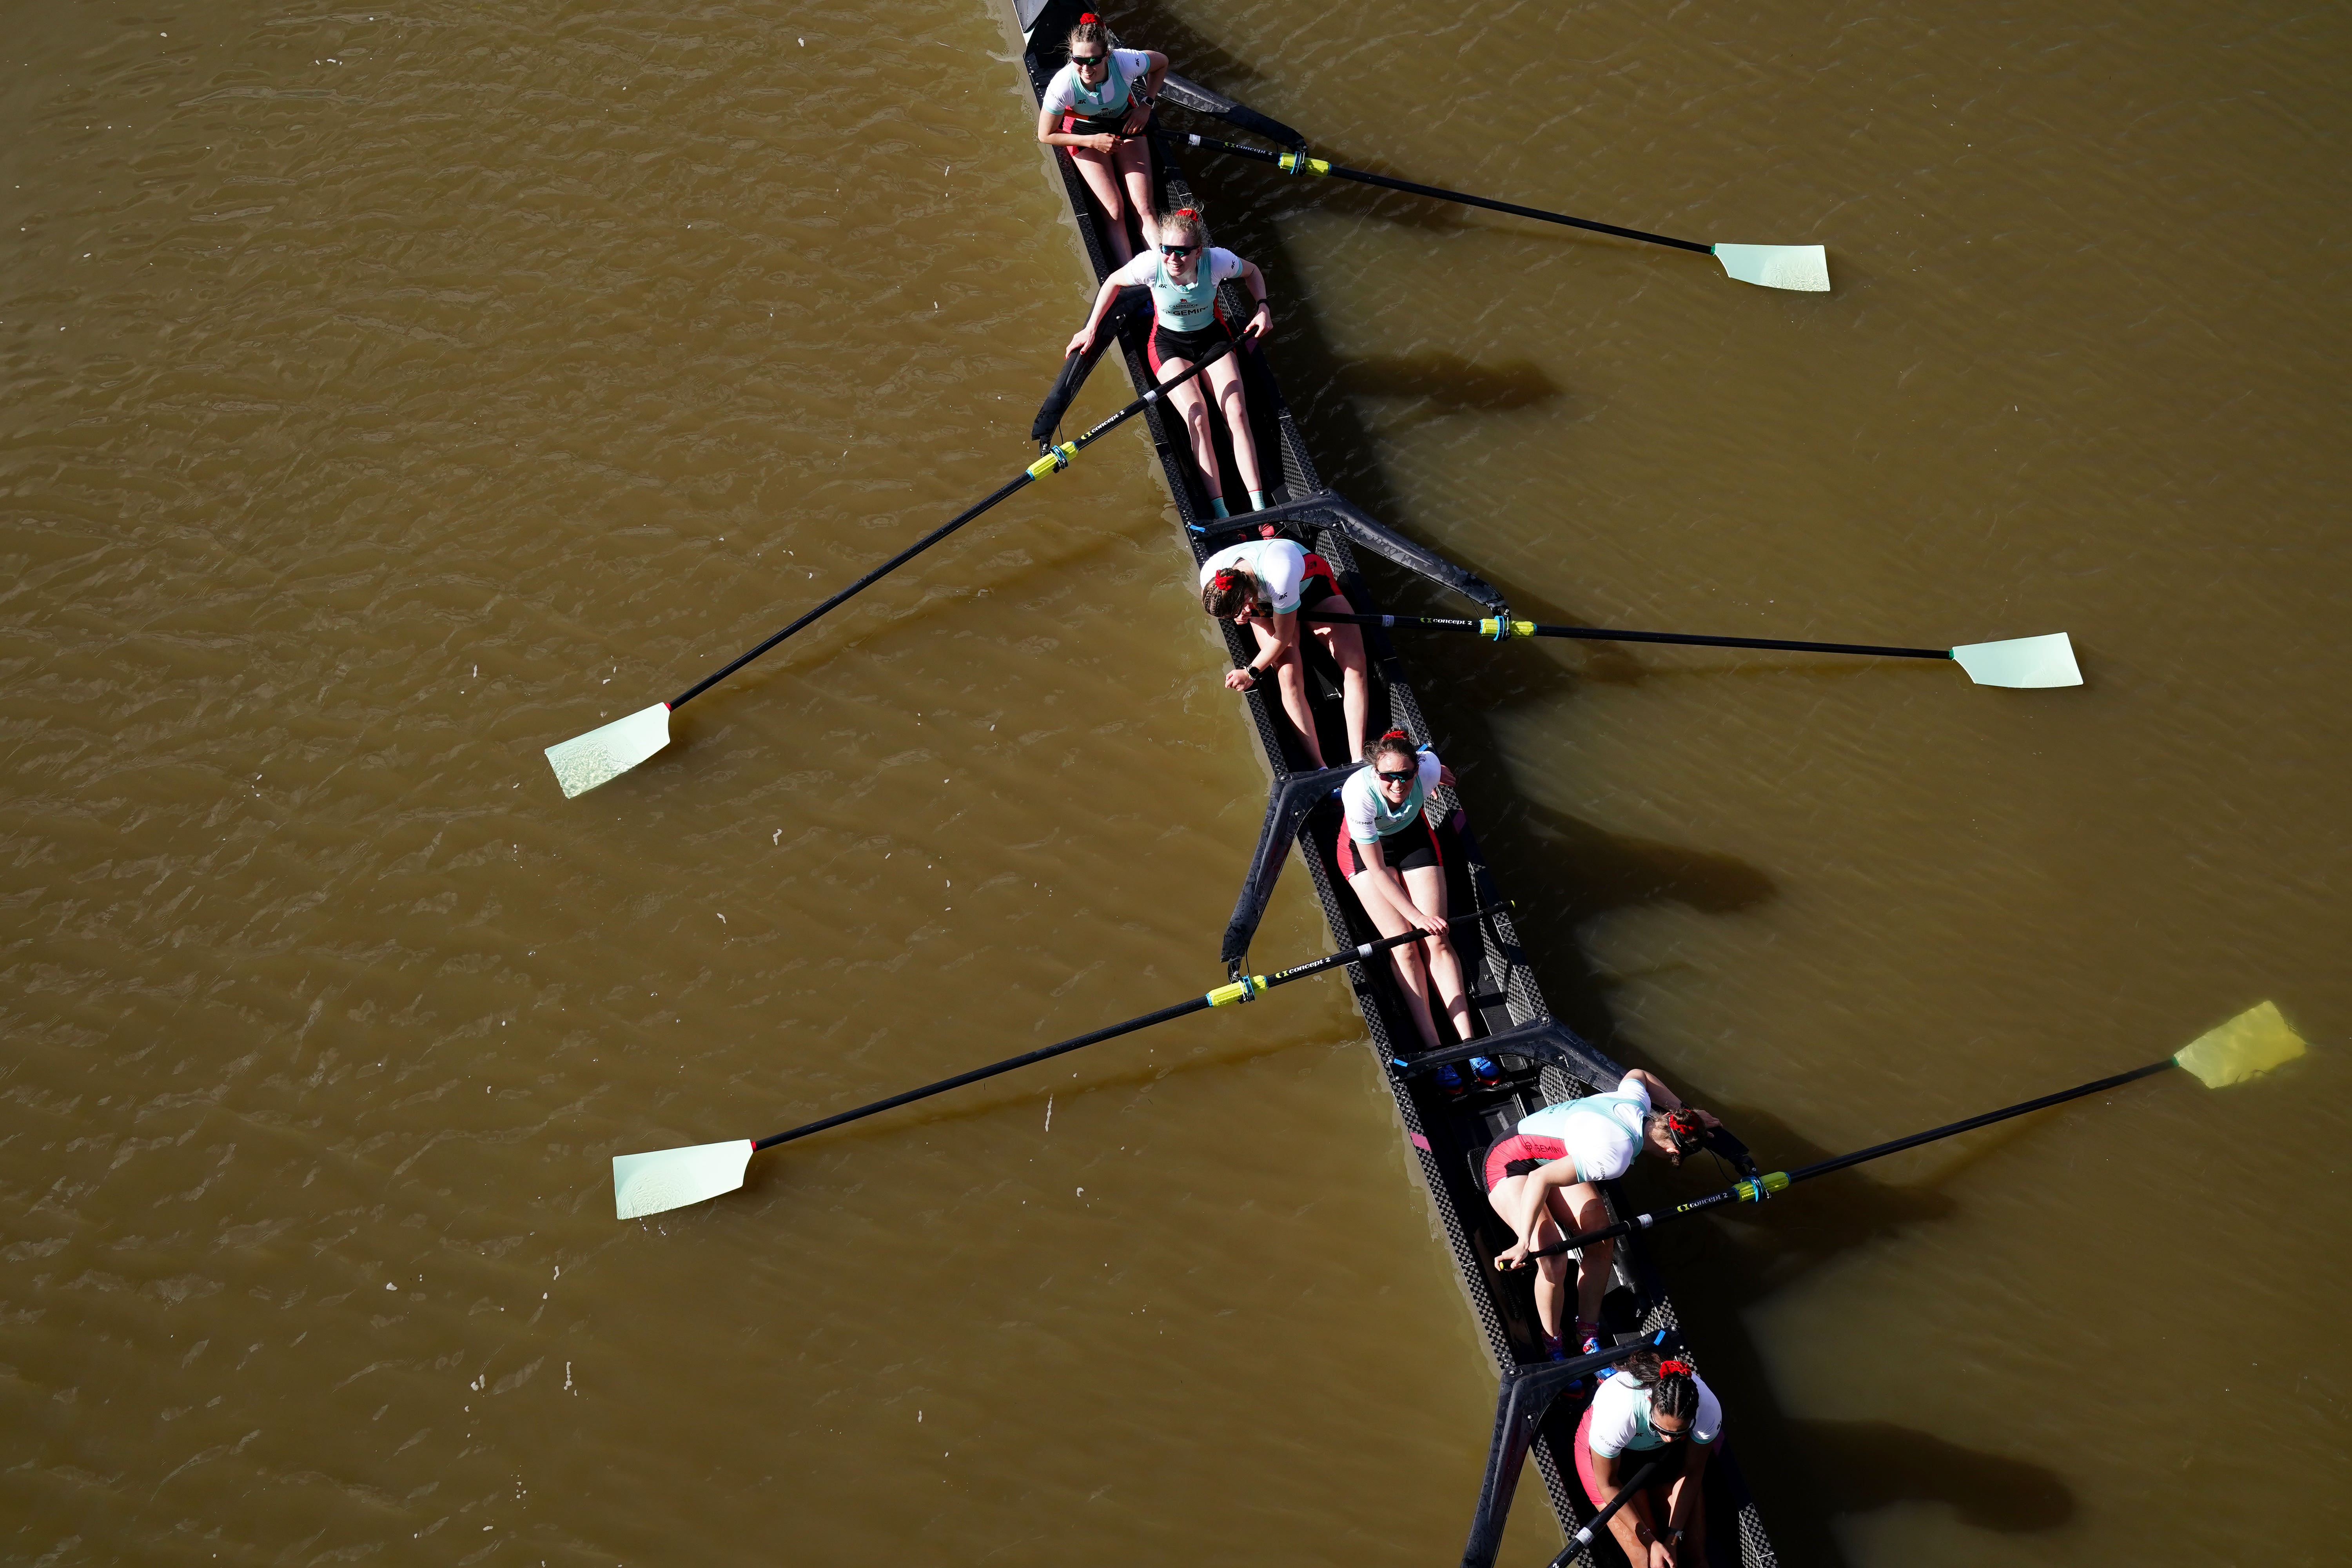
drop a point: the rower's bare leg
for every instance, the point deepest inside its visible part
(1578, 1209)
(1194, 411)
(1411, 976)
(1345, 644)
(1551, 1273)
(1290, 680)
(1226, 381)
(1095, 168)
(1133, 160)
(1427, 886)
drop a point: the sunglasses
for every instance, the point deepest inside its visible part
(1088, 62)
(1403, 777)
(1178, 252)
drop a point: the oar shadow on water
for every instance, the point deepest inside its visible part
(1817, 1468)
(1192, 54)
(1862, 1466)
(1437, 384)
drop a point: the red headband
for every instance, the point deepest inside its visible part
(1674, 1369)
(1088, 19)
(1185, 211)
(1225, 578)
(1396, 735)
(1684, 1120)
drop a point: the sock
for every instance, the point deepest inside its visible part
(1217, 507)
(1257, 500)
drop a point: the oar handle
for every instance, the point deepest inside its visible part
(1300, 163)
(1056, 459)
(1600, 1521)
(1761, 1188)
(1502, 630)
(1245, 989)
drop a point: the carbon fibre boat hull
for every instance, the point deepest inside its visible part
(1544, 1063)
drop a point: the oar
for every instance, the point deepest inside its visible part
(1599, 1521)
(673, 1178)
(605, 754)
(2019, 661)
(2255, 1041)
(1803, 267)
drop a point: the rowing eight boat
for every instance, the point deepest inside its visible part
(1543, 1061)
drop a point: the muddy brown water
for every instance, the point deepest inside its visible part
(390, 394)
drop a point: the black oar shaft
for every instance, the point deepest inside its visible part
(1764, 1187)
(1600, 1521)
(1238, 991)
(1824, 1167)
(1052, 462)
(1604, 634)
(1299, 163)
(1190, 1005)
(843, 597)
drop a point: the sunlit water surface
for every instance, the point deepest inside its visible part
(389, 394)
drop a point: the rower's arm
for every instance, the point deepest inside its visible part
(1629, 1524)
(1369, 857)
(1149, 87)
(1687, 1495)
(1283, 626)
(1050, 131)
(1661, 1096)
(1084, 338)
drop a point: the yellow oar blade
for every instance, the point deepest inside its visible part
(2255, 1041)
(1803, 267)
(583, 762)
(673, 1178)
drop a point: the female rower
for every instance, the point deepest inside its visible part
(1262, 584)
(1388, 852)
(1543, 1180)
(1652, 1412)
(1186, 319)
(1097, 107)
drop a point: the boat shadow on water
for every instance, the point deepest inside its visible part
(1815, 1470)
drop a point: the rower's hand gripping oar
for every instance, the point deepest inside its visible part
(1804, 268)
(1600, 1521)
(605, 754)
(673, 1178)
(2255, 1041)
(2047, 660)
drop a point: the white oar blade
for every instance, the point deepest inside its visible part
(2022, 662)
(2255, 1041)
(1803, 267)
(603, 755)
(673, 1178)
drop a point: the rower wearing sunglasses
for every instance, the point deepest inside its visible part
(1095, 108)
(1651, 1411)
(1388, 852)
(1186, 319)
